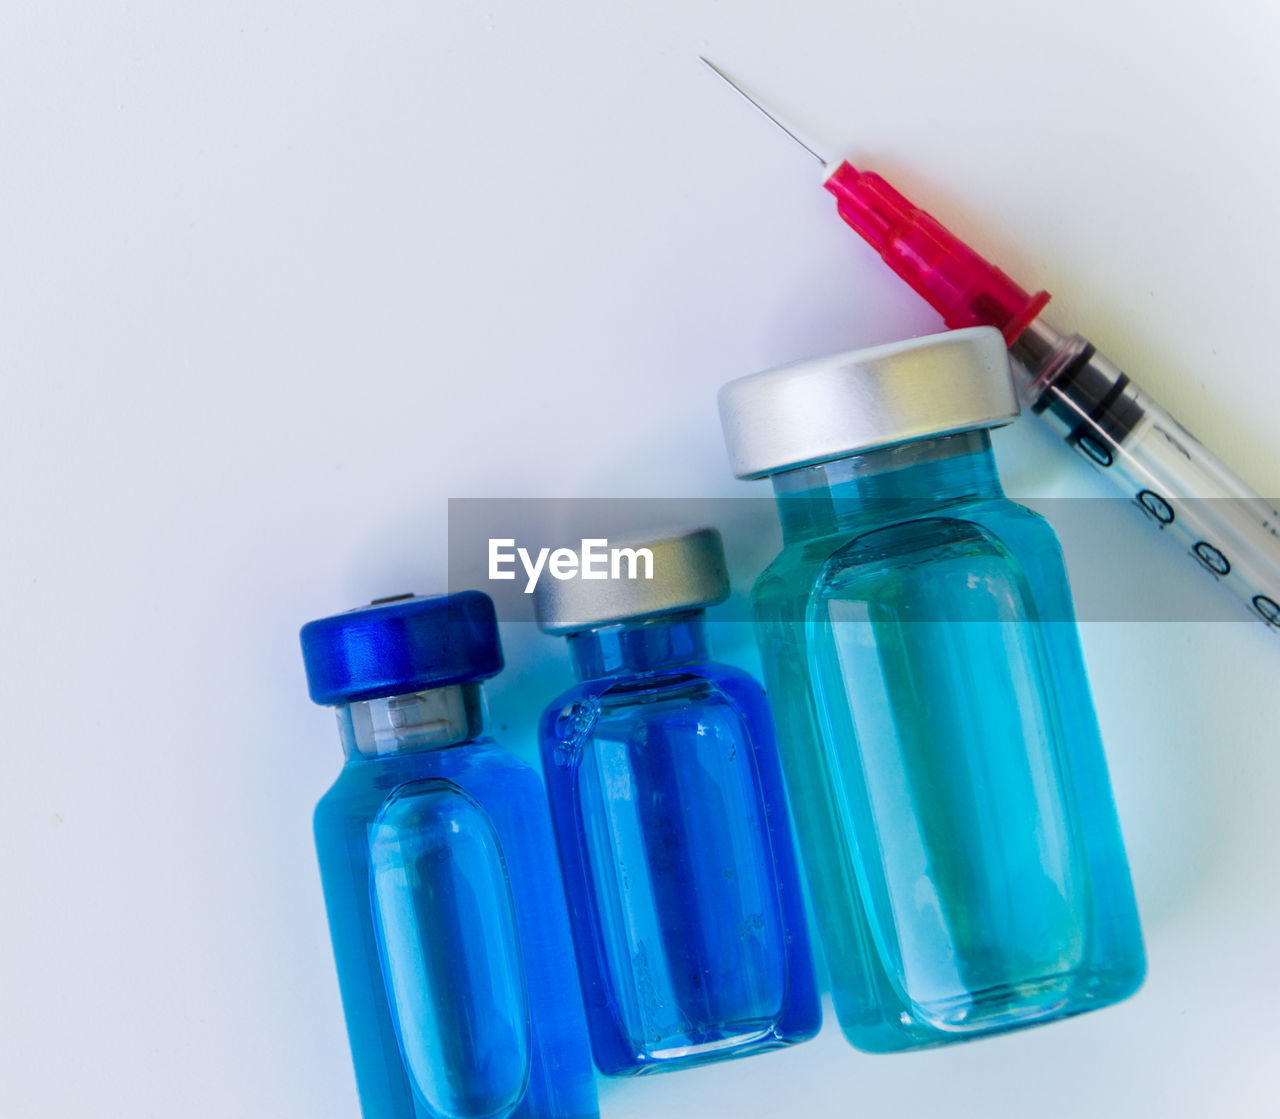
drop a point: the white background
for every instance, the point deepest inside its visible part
(279, 279)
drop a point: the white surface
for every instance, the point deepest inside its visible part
(277, 280)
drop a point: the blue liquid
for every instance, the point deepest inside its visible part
(459, 998)
(944, 759)
(671, 819)
(449, 931)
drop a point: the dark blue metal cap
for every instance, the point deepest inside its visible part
(401, 645)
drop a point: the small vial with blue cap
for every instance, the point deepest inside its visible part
(445, 904)
(671, 819)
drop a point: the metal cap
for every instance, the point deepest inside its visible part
(815, 411)
(401, 645)
(689, 573)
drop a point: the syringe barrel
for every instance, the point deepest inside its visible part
(1184, 490)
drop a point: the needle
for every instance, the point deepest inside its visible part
(1220, 521)
(716, 70)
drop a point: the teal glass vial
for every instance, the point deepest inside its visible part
(445, 904)
(671, 819)
(922, 659)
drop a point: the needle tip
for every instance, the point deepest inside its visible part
(716, 69)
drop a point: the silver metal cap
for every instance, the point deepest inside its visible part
(688, 573)
(814, 411)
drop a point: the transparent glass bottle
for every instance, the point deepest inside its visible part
(440, 878)
(670, 815)
(943, 756)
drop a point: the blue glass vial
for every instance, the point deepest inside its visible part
(940, 743)
(671, 820)
(439, 869)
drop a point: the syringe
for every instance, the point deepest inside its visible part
(1184, 490)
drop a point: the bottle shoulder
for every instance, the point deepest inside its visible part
(653, 684)
(675, 700)
(1000, 519)
(476, 767)
(985, 558)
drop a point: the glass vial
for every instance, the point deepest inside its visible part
(670, 815)
(440, 879)
(921, 653)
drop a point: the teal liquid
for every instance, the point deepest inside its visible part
(944, 761)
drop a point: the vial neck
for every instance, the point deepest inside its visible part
(884, 485)
(416, 721)
(641, 646)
